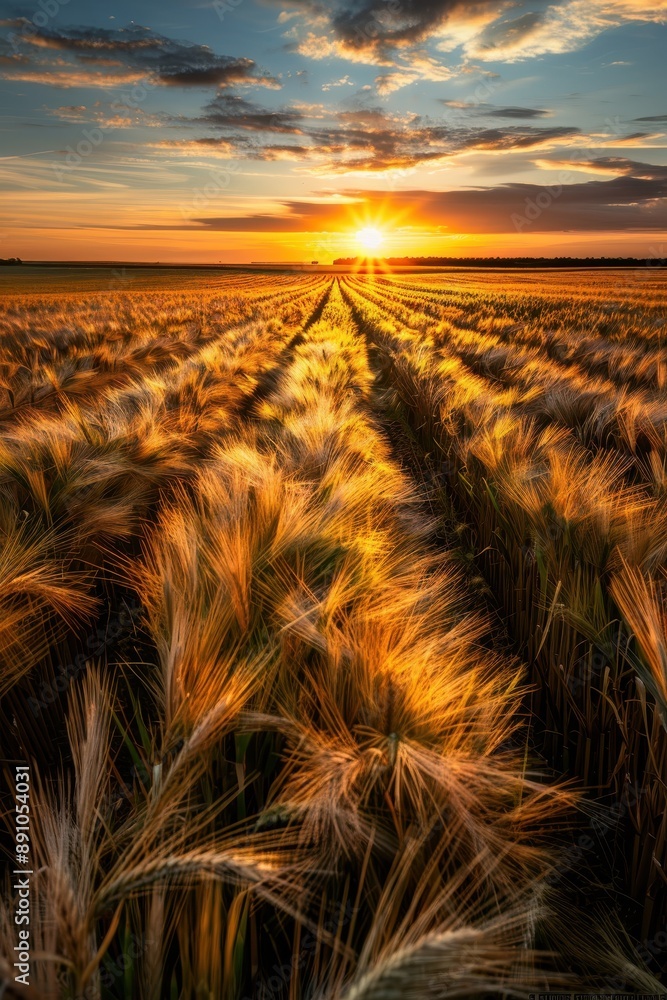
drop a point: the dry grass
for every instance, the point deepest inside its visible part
(295, 741)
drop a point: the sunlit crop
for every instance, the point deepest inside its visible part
(334, 616)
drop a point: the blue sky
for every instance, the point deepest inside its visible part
(250, 130)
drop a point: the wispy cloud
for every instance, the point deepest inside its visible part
(101, 113)
(344, 81)
(617, 165)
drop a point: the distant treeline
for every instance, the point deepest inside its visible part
(10, 260)
(509, 261)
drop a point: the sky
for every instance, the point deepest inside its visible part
(268, 130)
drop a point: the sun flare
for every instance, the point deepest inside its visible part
(370, 238)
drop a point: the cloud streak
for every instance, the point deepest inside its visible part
(482, 110)
(628, 202)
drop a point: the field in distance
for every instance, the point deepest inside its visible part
(53, 278)
(333, 628)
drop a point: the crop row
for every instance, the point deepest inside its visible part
(575, 556)
(305, 750)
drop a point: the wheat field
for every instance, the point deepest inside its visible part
(334, 633)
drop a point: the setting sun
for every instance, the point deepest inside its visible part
(370, 238)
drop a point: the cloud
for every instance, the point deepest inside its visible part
(292, 217)
(100, 113)
(421, 67)
(515, 137)
(67, 79)
(550, 28)
(636, 139)
(388, 83)
(380, 143)
(229, 111)
(343, 82)
(364, 138)
(380, 27)
(395, 33)
(69, 113)
(108, 57)
(617, 165)
(492, 111)
(296, 154)
(628, 203)
(208, 146)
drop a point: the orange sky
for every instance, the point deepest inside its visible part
(279, 129)
(176, 246)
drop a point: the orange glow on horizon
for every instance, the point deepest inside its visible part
(122, 231)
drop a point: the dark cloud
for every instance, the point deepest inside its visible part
(626, 203)
(384, 144)
(492, 111)
(507, 34)
(515, 137)
(652, 118)
(396, 32)
(518, 113)
(377, 23)
(228, 111)
(622, 165)
(369, 138)
(224, 72)
(164, 60)
(378, 30)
